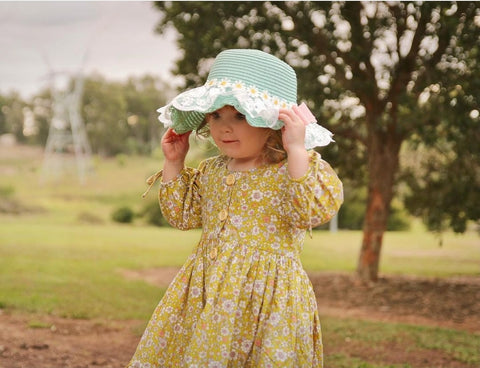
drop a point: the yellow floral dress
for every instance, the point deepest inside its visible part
(242, 299)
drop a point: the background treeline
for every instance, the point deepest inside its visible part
(120, 117)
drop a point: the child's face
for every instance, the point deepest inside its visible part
(235, 137)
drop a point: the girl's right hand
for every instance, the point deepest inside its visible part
(175, 146)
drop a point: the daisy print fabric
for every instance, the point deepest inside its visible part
(242, 299)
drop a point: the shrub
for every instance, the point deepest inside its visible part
(399, 220)
(351, 215)
(123, 215)
(352, 212)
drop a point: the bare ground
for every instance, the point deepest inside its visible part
(30, 341)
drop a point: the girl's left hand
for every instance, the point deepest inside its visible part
(293, 137)
(293, 132)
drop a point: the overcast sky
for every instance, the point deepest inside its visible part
(118, 36)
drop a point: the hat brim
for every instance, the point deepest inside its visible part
(187, 111)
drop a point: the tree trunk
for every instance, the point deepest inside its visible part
(383, 158)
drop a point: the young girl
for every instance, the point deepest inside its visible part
(242, 299)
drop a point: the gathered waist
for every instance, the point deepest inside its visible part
(215, 246)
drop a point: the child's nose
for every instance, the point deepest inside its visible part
(226, 126)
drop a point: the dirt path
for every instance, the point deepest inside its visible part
(64, 343)
(29, 341)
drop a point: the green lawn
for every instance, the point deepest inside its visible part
(365, 344)
(73, 269)
(64, 256)
(414, 252)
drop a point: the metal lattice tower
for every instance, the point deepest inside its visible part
(67, 138)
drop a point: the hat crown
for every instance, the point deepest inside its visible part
(255, 68)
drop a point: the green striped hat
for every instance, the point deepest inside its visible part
(255, 83)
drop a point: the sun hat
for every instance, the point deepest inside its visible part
(255, 83)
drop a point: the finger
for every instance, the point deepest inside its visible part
(169, 134)
(184, 136)
(172, 136)
(291, 114)
(289, 123)
(286, 111)
(286, 118)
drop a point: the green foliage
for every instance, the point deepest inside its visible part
(120, 117)
(123, 215)
(41, 106)
(104, 113)
(440, 191)
(3, 123)
(399, 219)
(12, 115)
(352, 213)
(144, 95)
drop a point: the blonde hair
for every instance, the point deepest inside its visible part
(273, 152)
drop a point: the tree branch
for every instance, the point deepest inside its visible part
(360, 46)
(406, 65)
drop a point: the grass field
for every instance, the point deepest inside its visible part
(38, 258)
(63, 255)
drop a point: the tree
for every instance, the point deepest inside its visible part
(105, 115)
(41, 105)
(144, 95)
(119, 117)
(365, 69)
(12, 115)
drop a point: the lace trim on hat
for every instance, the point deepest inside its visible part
(251, 101)
(260, 107)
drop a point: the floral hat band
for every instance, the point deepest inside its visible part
(256, 84)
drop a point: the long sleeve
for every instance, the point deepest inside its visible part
(314, 198)
(180, 199)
